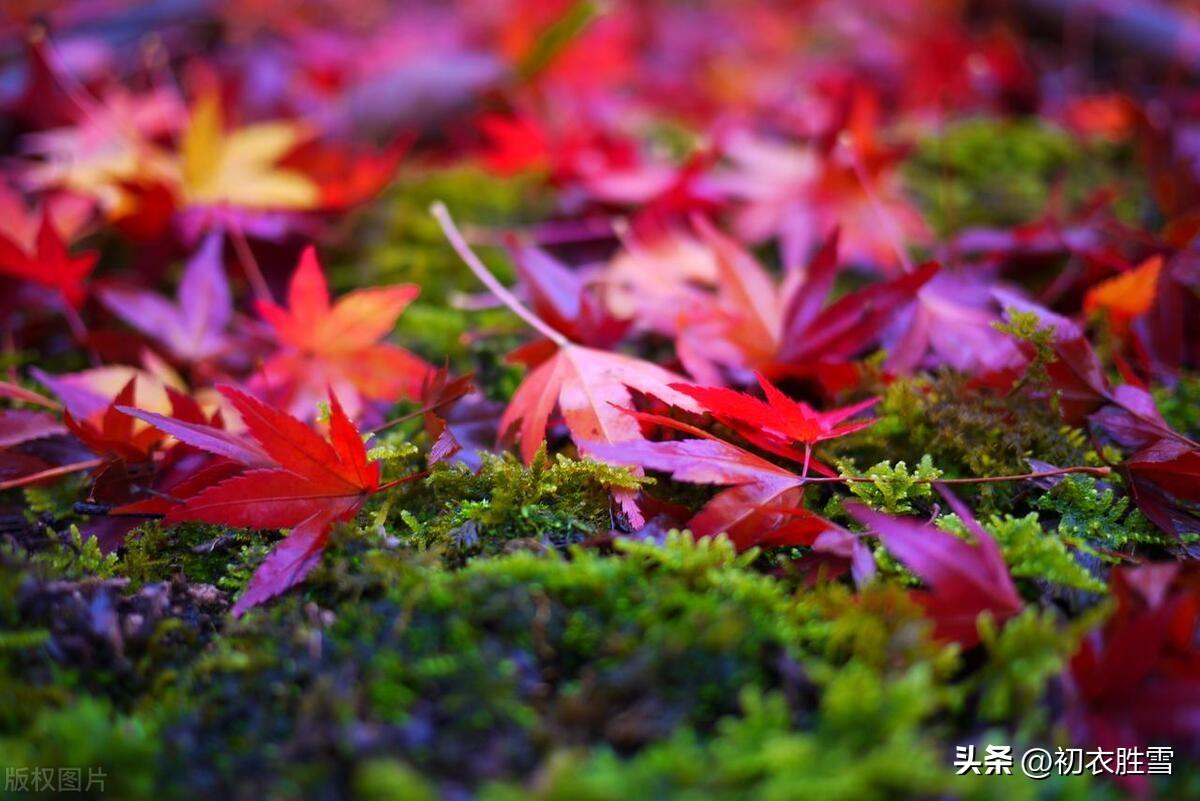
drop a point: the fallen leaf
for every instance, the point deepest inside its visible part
(964, 580)
(326, 344)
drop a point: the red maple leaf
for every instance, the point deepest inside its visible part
(114, 433)
(761, 504)
(759, 492)
(964, 580)
(439, 393)
(1134, 681)
(779, 423)
(564, 300)
(789, 328)
(588, 386)
(50, 264)
(337, 345)
(347, 176)
(1164, 481)
(312, 484)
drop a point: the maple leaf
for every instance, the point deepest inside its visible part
(564, 300)
(241, 167)
(515, 144)
(587, 385)
(22, 425)
(758, 491)
(653, 281)
(50, 264)
(337, 345)
(346, 177)
(1126, 295)
(313, 484)
(127, 467)
(439, 393)
(87, 394)
(206, 435)
(952, 323)
(20, 429)
(593, 159)
(19, 223)
(1164, 481)
(835, 551)
(787, 328)
(109, 146)
(797, 192)
(115, 433)
(193, 327)
(1133, 681)
(778, 423)
(964, 580)
(1167, 336)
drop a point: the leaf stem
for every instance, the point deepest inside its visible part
(402, 480)
(848, 147)
(455, 237)
(53, 472)
(1099, 472)
(254, 274)
(411, 415)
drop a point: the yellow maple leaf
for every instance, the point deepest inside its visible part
(241, 167)
(1127, 295)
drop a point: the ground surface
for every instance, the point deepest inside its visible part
(550, 400)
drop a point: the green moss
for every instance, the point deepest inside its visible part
(969, 432)
(879, 626)
(57, 499)
(893, 489)
(1091, 515)
(71, 626)
(114, 753)
(1020, 659)
(1027, 327)
(762, 755)
(200, 553)
(1180, 404)
(996, 172)
(390, 780)
(670, 671)
(481, 671)
(551, 503)
(66, 555)
(1033, 553)
(405, 245)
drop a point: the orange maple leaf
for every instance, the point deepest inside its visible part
(1127, 295)
(326, 344)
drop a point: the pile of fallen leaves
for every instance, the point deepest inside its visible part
(715, 274)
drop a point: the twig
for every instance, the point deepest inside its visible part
(223, 541)
(411, 415)
(402, 480)
(53, 472)
(1099, 472)
(105, 510)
